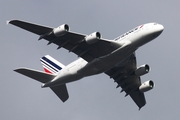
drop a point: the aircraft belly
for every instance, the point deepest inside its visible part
(104, 63)
(60, 80)
(69, 78)
(98, 65)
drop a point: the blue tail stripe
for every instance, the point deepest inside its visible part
(45, 64)
(51, 63)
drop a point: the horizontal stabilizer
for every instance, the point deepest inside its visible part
(61, 92)
(35, 74)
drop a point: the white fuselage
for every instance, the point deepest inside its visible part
(128, 43)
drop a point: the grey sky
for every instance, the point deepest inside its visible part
(92, 98)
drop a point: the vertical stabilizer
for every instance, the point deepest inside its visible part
(51, 65)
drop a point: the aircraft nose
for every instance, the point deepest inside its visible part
(160, 27)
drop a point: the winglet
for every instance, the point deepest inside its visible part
(10, 21)
(7, 22)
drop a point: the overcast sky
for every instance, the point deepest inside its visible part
(96, 97)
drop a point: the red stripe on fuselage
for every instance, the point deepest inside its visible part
(141, 26)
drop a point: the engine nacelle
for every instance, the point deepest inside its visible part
(61, 30)
(143, 69)
(146, 86)
(92, 38)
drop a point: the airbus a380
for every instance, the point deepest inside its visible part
(116, 58)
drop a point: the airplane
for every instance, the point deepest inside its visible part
(116, 58)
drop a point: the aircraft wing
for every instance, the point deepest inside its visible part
(73, 42)
(124, 77)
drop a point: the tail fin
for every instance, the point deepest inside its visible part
(51, 65)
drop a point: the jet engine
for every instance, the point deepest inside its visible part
(146, 86)
(92, 38)
(61, 30)
(143, 69)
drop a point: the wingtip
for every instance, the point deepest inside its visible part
(10, 21)
(17, 70)
(140, 107)
(7, 22)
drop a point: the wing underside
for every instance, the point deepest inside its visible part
(73, 42)
(123, 75)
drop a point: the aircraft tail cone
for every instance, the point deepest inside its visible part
(44, 85)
